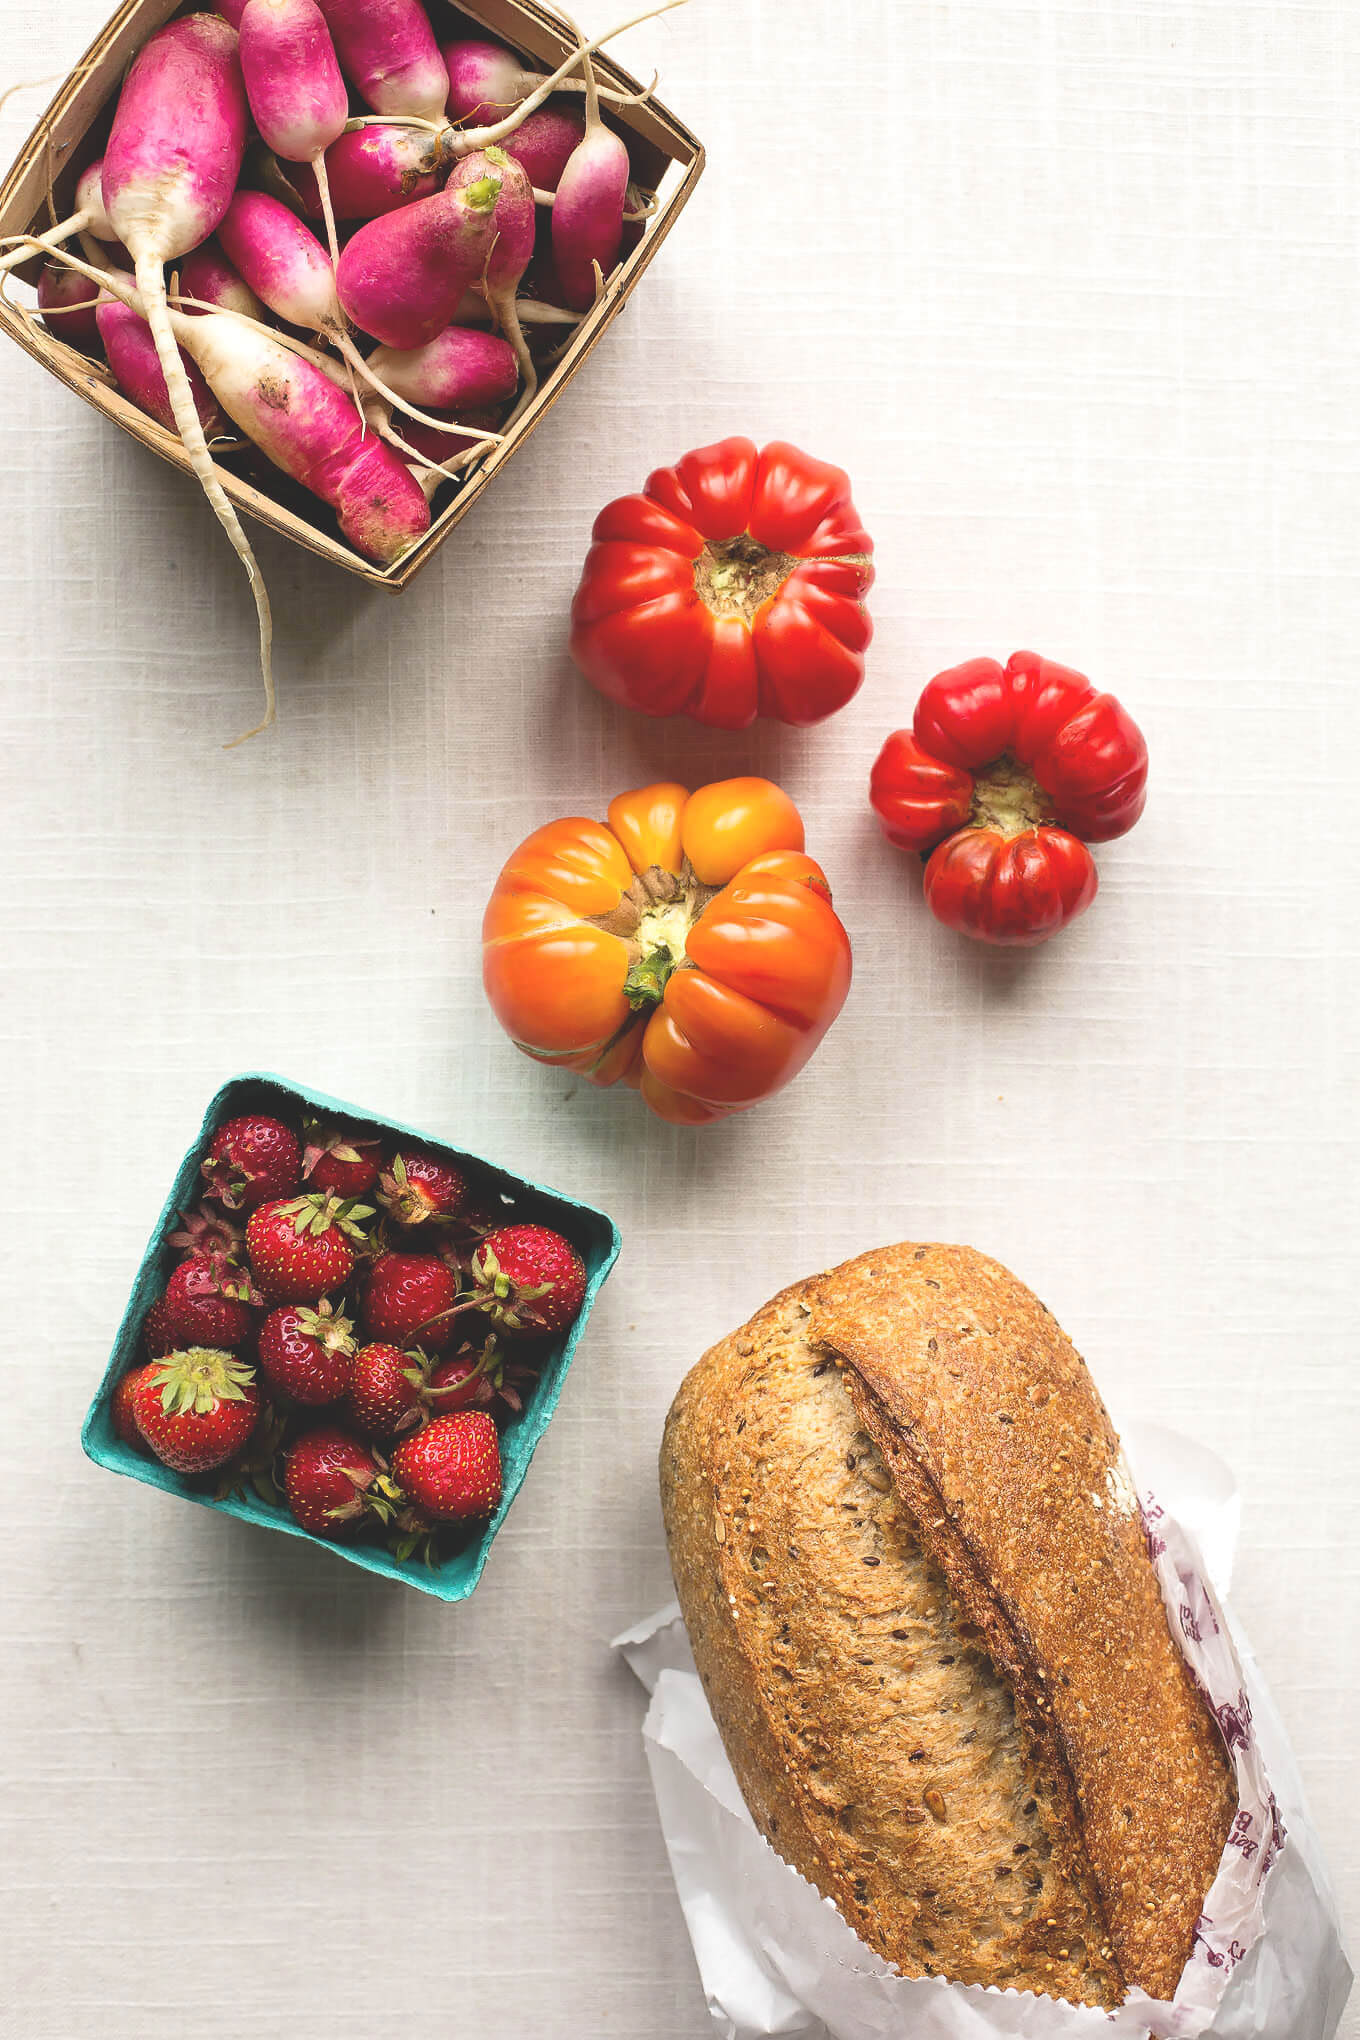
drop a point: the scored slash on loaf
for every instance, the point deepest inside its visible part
(916, 1582)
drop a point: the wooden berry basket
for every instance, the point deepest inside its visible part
(593, 1235)
(71, 132)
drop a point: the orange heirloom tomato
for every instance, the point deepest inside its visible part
(733, 586)
(688, 947)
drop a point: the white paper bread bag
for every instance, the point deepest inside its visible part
(777, 1958)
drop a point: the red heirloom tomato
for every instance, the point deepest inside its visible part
(688, 948)
(1004, 777)
(732, 587)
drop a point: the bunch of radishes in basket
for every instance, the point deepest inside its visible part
(290, 181)
(349, 1325)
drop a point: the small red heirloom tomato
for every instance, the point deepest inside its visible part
(732, 587)
(1004, 777)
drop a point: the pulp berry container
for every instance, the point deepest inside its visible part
(592, 1234)
(666, 159)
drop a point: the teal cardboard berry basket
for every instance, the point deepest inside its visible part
(594, 1236)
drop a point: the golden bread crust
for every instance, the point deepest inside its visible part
(918, 1592)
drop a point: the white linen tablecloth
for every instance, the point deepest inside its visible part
(1071, 287)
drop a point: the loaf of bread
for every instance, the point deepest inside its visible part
(916, 1581)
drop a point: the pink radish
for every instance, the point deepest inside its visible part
(515, 222)
(458, 370)
(293, 83)
(131, 354)
(544, 143)
(279, 258)
(170, 166)
(401, 276)
(388, 51)
(588, 205)
(208, 277)
(455, 141)
(299, 418)
(373, 170)
(68, 304)
(306, 425)
(486, 80)
(89, 217)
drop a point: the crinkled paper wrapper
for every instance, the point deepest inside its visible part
(777, 1958)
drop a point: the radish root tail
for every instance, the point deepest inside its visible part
(514, 333)
(449, 470)
(323, 186)
(482, 138)
(66, 230)
(151, 289)
(28, 85)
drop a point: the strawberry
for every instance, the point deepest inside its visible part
(490, 1380)
(157, 1337)
(307, 1354)
(402, 1293)
(457, 1383)
(211, 1236)
(339, 1163)
(333, 1484)
(252, 1159)
(394, 1390)
(452, 1469)
(202, 1307)
(528, 1279)
(121, 1410)
(300, 1247)
(384, 1395)
(419, 1187)
(196, 1408)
